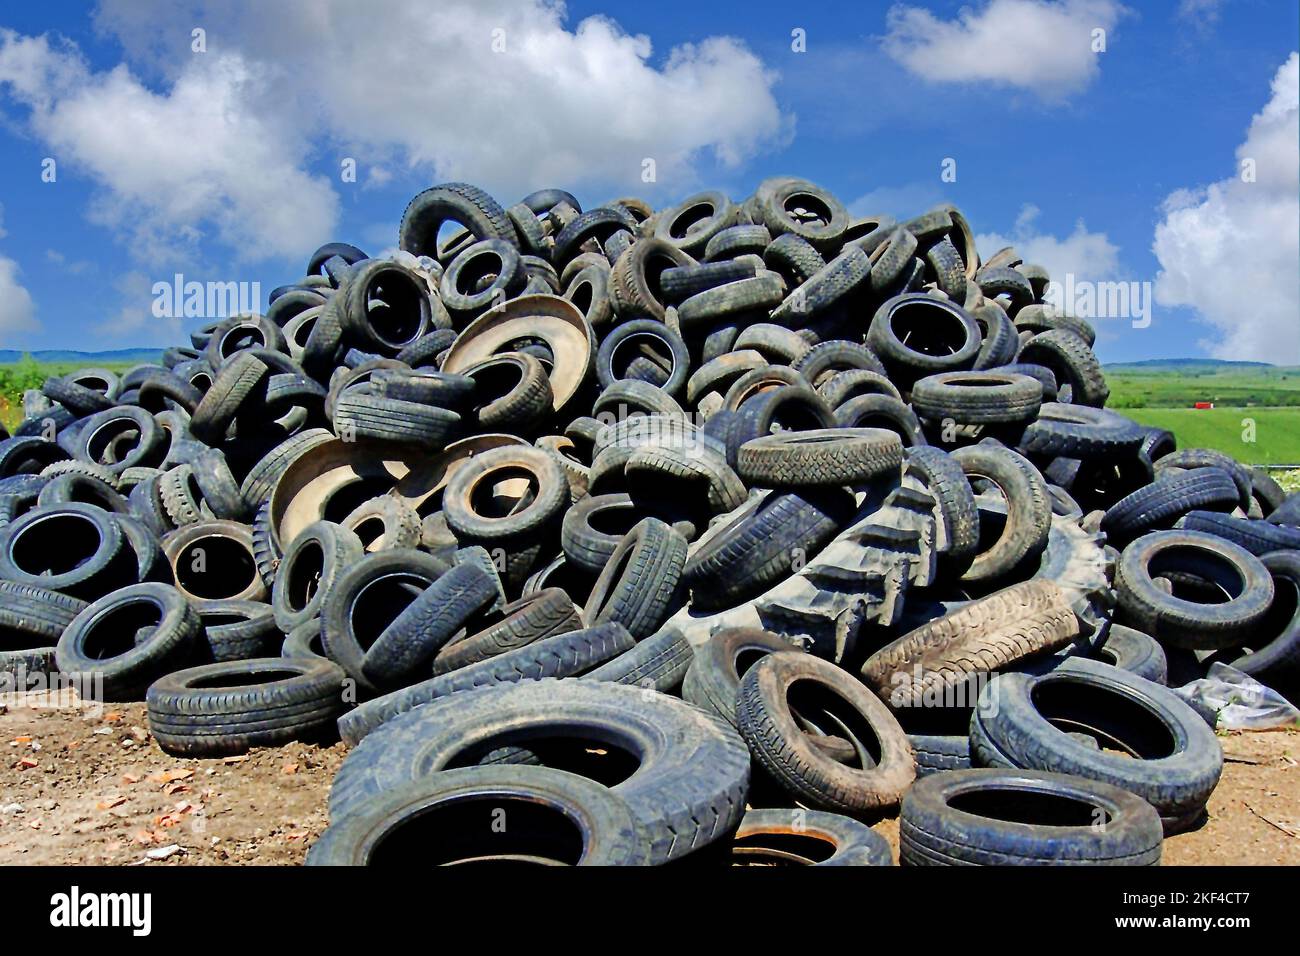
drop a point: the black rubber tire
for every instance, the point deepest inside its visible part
(623, 338)
(730, 301)
(238, 630)
(1157, 506)
(304, 641)
(94, 441)
(413, 638)
(512, 392)
(424, 351)
(712, 681)
(807, 838)
(977, 398)
(1079, 377)
(118, 665)
(781, 746)
(239, 382)
(893, 337)
(1129, 650)
(77, 399)
(561, 655)
(361, 414)
(852, 383)
(382, 585)
(932, 832)
(828, 290)
(502, 277)
(75, 487)
(217, 483)
(1000, 343)
(944, 657)
(308, 571)
(1182, 622)
(1169, 755)
(1029, 509)
(793, 257)
(1077, 431)
(28, 454)
(32, 619)
(681, 282)
(882, 411)
(954, 498)
(533, 617)
(779, 345)
(610, 834)
(1257, 537)
(223, 709)
(1274, 658)
(687, 788)
(825, 360)
(658, 662)
(634, 281)
(462, 203)
(77, 549)
(786, 408)
(229, 573)
(763, 544)
(641, 585)
(825, 456)
(584, 545)
(939, 753)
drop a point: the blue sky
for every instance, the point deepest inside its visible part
(224, 164)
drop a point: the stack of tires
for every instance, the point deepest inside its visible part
(619, 521)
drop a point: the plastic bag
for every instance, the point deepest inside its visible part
(1240, 701)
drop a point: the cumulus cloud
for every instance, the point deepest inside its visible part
(501, 92)
(17, 311)
(172, 165)
(1088, 256)
(1231, 250)
(1042, 46)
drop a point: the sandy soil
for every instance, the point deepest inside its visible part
(92, 787)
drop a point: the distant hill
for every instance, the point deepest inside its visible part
(1183, 364)
(9, 356)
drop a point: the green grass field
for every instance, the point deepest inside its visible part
(1275, 431)
(17, 377)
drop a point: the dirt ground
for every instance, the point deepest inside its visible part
(92, 787)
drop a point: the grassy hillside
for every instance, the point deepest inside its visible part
(1182, 385)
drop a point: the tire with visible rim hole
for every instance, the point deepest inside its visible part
(1184, 621)
(120, 644)
(781, 747)
(995, 821)
(607, 834)
(687, 787)
(309, 569)
(1158, 747)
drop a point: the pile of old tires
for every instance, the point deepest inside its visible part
(627, 535)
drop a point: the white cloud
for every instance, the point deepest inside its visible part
(173, 165)
(1088, 256)
(17, 311)
(221, 140)
(1040, 46)
(1231, 250)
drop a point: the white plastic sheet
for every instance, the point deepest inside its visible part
(1241, 702)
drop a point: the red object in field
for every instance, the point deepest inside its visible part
(1204, 405)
